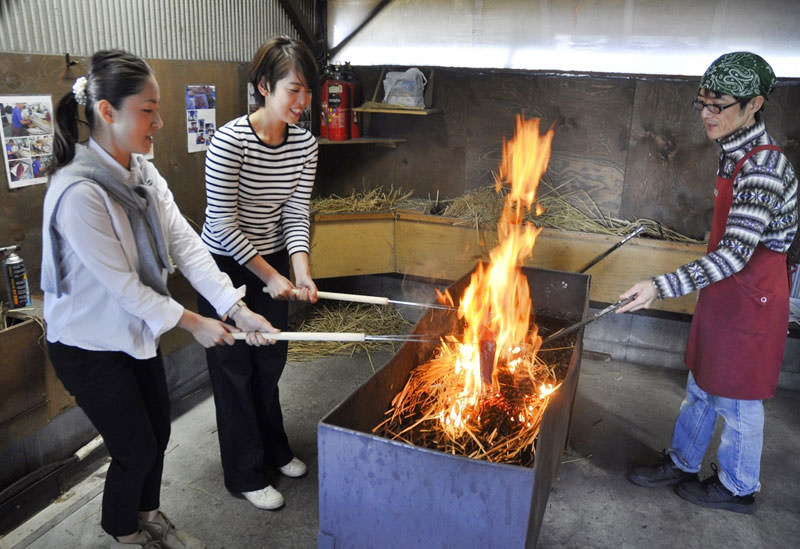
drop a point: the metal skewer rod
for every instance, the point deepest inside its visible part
(376, 300)
(582, 323)
(337, 336)
(639, 228)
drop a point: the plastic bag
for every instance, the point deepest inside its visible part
(405, 88)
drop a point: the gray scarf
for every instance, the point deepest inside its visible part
(139, 202)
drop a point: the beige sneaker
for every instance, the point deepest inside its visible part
(163, 531)
(143, 539)
(294, 468)
(267, 498)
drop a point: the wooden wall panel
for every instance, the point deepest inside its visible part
(183, 170)
(590, 117)
(348, 245)
(671, 165)
(21, 219)
(21, 209)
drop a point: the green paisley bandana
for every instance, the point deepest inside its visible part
(740, 74)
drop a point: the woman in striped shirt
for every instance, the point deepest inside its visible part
(260, 170)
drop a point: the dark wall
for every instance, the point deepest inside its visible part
(20, 209)
(634, 144)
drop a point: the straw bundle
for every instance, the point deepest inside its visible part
(372, 200)
(577, 211)
(571, 211)
(346, 317)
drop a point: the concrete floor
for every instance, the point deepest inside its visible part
(623, 414)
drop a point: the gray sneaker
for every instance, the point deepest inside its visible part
(663, 473)
(163, 531)
(143, 539)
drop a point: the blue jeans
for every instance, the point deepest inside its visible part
(739, 452)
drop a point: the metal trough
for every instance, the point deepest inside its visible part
(376, 492)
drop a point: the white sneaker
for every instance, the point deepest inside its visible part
(294, 468)
(266, 498)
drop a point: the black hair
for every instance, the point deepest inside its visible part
(113, 76)
(743, 101)
(275, 58)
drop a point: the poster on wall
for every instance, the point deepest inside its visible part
(201, 115)
(27, 136)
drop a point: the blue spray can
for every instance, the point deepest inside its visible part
(16, 278)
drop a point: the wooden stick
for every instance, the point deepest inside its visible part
(355, 298)
(307, 336)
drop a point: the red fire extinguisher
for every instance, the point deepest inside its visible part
(355, 116)
(323, 114)
(336, 93)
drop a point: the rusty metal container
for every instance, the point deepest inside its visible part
(376, 492)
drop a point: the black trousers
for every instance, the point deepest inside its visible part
(244, 379)
(127, 401)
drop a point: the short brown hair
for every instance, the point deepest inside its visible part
(275, 58)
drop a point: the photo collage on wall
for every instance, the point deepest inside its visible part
(27, 135)
(201, 116)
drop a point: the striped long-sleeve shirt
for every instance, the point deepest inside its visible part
(257, 195)
(763, 212)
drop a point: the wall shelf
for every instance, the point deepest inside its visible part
(383, 141)
(373, 106)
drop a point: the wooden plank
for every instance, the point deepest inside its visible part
(23, 403)
(352, 247)
(385, 108)
(386, 141)
(442, 250)
(637, 260)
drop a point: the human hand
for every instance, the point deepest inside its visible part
(255, 326)
(305, 289)
(279, 287)
(208, 332)
(645, 292)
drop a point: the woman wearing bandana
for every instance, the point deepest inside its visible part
(738, 332)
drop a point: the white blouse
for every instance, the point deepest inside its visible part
(106, 307)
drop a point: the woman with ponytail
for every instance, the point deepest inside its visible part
(111, 234)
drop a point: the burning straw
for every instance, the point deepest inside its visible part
(503, 428)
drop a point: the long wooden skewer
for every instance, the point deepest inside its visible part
(375, 300)
(336, 336)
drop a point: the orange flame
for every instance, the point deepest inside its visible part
(496, 306)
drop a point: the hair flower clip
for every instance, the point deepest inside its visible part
(79, 90)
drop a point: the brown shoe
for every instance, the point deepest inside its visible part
(162, 530)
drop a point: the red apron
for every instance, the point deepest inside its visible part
(738, 333)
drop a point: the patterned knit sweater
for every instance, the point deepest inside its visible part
(763, 212)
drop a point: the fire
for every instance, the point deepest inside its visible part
(496, 306)
(487, 385)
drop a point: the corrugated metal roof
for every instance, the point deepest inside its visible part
(197, 30)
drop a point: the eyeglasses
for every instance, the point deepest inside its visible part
(712, 108)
